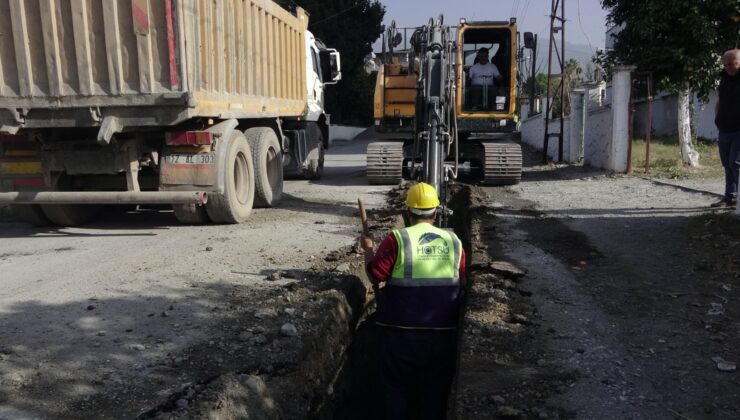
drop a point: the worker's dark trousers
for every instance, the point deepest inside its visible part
(416, 370)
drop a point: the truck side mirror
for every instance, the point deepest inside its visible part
(331, 66)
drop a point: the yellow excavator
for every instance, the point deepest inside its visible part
(436, 124)
(394, 110)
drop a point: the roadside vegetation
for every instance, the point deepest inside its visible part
(666, 161)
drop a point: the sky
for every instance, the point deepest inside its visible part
(585, 20)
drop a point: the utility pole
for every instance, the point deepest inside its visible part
(560, 54)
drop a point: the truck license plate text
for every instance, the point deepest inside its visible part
(197, 159)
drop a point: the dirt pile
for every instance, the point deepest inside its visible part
(293, 348)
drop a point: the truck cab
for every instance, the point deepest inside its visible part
(323, 67)
(307, 138)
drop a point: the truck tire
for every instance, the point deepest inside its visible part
(30, 213)
(71, 214)
(190, 214)
(268, 166)
(315, 159)
(235, 203)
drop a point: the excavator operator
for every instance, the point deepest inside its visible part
(422, 268)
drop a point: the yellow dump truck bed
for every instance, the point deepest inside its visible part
(75, 62)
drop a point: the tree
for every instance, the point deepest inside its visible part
(573, 79)
(540, 84)
(679, 42)
(350, 26)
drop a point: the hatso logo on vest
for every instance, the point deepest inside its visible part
(427, 245)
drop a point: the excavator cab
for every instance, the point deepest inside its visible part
(487, 128)
(484, 92)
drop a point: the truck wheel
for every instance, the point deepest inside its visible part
(190, 214)
(315, 160)
(71, 214)
(268, 166)
(235, 204)
(30, 213)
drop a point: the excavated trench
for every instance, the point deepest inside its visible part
(494, 334)
(359, 380)
(332, 374)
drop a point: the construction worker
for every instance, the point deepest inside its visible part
(422, 269)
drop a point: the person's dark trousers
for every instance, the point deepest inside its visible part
(729, 154)
(416, 371)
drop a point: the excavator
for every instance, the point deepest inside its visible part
(440, 125)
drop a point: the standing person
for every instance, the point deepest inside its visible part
(423, 269)
(483, 72)
(727, 120)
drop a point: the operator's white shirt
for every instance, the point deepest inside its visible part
(483, 74)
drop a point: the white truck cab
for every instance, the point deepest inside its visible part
(323, 67)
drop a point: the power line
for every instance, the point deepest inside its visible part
(334, 15)
(526, 9)
(514, 8)
(583, 30)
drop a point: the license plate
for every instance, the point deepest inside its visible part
(195, 159)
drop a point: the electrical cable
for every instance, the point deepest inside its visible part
(514, 8)
(526, 9)
(334, 15)
(580, 23)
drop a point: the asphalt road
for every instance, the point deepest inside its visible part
(93, 311)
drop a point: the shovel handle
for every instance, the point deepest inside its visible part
(363, 218)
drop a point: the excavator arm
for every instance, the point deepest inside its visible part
(435, 131)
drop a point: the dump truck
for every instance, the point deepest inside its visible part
(202, 105)
(474, 129)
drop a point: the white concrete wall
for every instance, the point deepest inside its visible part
(664, 116)
(665, 120)
(567, 144)
(578, 105)
(597, 137)
(704, 117)
(533, 134)
(343, 132)
(533, 129)
(596, 92)
(621, 87)
(604, 130)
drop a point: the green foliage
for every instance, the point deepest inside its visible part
(679, 41)
(540, 87)
(540, 84)
(573, 79)
(350, 26)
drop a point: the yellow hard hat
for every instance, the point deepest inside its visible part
(422, 196)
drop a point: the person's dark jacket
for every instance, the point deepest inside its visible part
(728, 115)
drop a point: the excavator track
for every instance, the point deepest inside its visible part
(384, 162)
(502, 164)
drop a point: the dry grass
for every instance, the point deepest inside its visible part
(665, 159)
